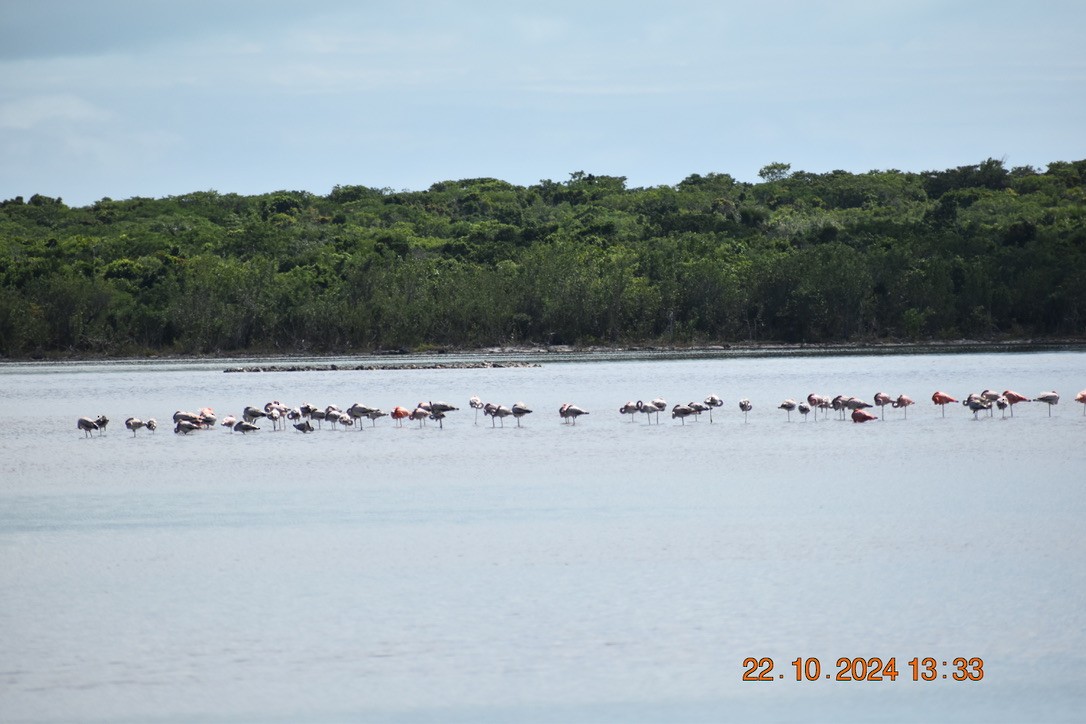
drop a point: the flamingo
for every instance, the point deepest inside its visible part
(184, 427)
(649, 410)
(476, 404)
(698, 408)
(630, 408)
(990, 396)
(805, 409)
(399, 413)
(357, 411)
(788, 405)
(133, 424)
(1002, 403)
(331, 414)
(303, 426)
(713, 401)
(882, 400)
(251, 414)
(746, 407)
(976, 403)
(438, 415)
(1081, 397)
(572, 412)
(1049, 398)
(374, 413)
(440, 408)
(420, 413)
(861, 415)
(244, 426)
(682, 412)
(180, 415)
(903, 401)
(498, 412)
(151, 424)
(839, 404)
(86, 425)
(276, 412)
(656, 406)
(1013, 398)
(520, 410)
(942, 399)
(818, 402)
(229, 421)
(855, 403)
(101, 421)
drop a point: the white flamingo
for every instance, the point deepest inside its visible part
(630, 408)
(1049, 398)
(87, 425)
(713, 401)
(520, 410)
(682, 412)
(572, 412)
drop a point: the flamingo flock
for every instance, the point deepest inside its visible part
(303, 416)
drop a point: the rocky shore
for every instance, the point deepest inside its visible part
(485, 364)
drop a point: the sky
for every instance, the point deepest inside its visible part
(149, 98)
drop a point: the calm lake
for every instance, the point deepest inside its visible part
(607, 571)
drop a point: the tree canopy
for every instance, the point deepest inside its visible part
(978, 251)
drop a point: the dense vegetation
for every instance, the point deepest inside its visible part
(979, 251)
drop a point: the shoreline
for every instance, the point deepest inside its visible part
(535, 355)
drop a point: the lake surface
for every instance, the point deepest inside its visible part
(607, 571)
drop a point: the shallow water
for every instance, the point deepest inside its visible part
(611, 570)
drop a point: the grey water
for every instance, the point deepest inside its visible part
(612, 570)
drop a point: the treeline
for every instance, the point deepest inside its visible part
(978, 251)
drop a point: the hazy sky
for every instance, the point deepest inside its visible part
(125, 98)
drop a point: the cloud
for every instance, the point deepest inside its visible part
(30, 112)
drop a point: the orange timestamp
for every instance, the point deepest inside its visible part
(875, 668)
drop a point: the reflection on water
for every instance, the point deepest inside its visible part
(612, 570)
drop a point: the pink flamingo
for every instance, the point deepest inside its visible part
(399, 414)
(861, 415)
(942, 399)
(903, 401)
(881, 401)
(1013, 398)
